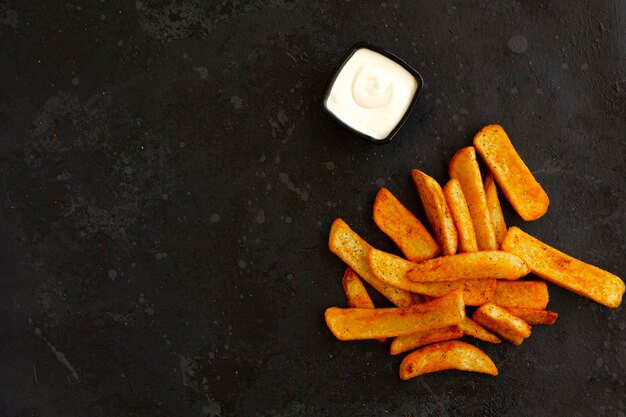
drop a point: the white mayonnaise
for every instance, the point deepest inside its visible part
(372, 93)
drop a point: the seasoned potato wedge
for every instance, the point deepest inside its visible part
(352, 249)
(474, 265)
(524, 294)
(461, 216)
(464, 167)
(437, 211)
(397, 222)
(471, 328)
(503, 323)
(533, 316)
(366, 323)
(392, 270)
(564, 270)
(355, 291)
(511, 173)
(453, 354)
(495, 210)
(409, 342)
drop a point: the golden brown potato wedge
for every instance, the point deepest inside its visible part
(437, 211)
(495, 210)
(533, 316)
(473, 265)
(503, 323)
(511, 173)
(397, 222)
(366, 323)
(524, 294)
(461, 216)
(392, 270)
(564, 270)
(453, 354)
(352, 249)
(471, 328)
(409, 342)
(355, 291)
(464, 167)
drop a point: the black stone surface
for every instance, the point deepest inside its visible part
(168, 181)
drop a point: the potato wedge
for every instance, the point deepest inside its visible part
(511, 173)
(408, 233)
(474, 265)
(503, 323)
(533, 316)
(461, 216)
(355, 291)
(437, 211)
(495, 210)
(409, 342)
(464, 167)
(471, 328)
(524, 294)
(563, 270)
(392, 270)
(366, 323)
(453, 354)
(352, 249)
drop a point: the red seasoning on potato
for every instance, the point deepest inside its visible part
(437, 211)
(461, 215)
(511, 173)
(408, 233)
(453, 354)
(563, 270)
(511, 328)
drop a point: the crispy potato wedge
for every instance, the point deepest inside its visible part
(511, 173)
(355, 291)
(408, 233)
(352, 249)
(453, 354)
(366, 323)
(563, 270)
(495, 210)
(524, 294)
(471, 328)
(461, 216)
(409, 342)
(533, 316)
(392, 270)
(473, 265)
(437, 211)
(501, 322)
(464, 167)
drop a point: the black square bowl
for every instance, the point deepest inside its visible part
(402, 63)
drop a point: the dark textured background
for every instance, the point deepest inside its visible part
(168, 181)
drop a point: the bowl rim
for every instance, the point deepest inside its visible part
(387, 54)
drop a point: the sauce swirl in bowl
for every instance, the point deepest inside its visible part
(371, 94)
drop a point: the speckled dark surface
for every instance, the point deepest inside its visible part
(168, 181)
